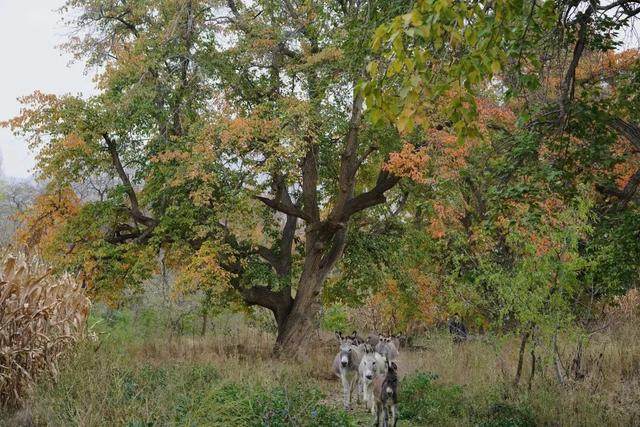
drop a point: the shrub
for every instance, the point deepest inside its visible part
(296, 404)
(109, 385)
(507, 415)
(335, 318)
(41, 315)
(425, 402)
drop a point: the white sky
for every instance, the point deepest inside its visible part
(30, 31)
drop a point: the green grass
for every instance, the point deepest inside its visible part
(141, 373)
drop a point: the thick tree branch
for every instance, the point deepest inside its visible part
(283, 207)
(279, 303)
(375, 196)
(625, 195)
(310, 184)
(335, 252)
(630, 131)
(260, 295)
(133, 198)
(349, 161)
(568, 84)
(286, 245)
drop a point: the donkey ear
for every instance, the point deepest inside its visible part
(339, 335)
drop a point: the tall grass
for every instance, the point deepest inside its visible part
(142, 373)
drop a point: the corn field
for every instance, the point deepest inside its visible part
(41, 315)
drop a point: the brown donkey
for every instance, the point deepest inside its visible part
(385, 394)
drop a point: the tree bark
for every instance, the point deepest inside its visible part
(320, 257)
(205, 320)
(523, 345)
(532, 373)
(559, 369)
(299, 322)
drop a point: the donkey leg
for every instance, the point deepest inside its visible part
(352, 388)
(386, 416)
(377, 409)
(394, 414)
(371, 397)
(355, 388)
(346, 392)
(365, 395)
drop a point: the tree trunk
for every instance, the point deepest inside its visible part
(523, 345)
(533, 364)
(299, 323)
(557, 362)
(205, 320)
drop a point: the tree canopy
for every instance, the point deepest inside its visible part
(425, 156)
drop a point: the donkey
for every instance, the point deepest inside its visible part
(345, 366)
(385, 393)
(387, 347)
(372, 364)
(357, 339)
(372, 339)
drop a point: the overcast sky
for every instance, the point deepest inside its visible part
(30, 31)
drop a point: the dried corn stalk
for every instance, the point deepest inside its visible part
(40, 316)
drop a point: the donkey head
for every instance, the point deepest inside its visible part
(369, 362)
(355, 338)
(346, 349)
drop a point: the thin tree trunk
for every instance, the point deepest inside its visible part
(533, 363)
(205, 320)
(557, 362)
(523, 345)
(576, 365)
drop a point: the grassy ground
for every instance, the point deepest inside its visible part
(139, 373)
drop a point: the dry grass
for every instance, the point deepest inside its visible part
(91, 385)
(40, 316)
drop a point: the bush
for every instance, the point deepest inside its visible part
(108, 386)
(41, 315)
(296, 404)
(335, 318)
(425, 402)
(507, 415)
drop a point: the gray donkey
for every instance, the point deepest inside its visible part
(387, 347)
(385, 395)
(345, 366)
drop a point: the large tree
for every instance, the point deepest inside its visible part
(238, 137)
